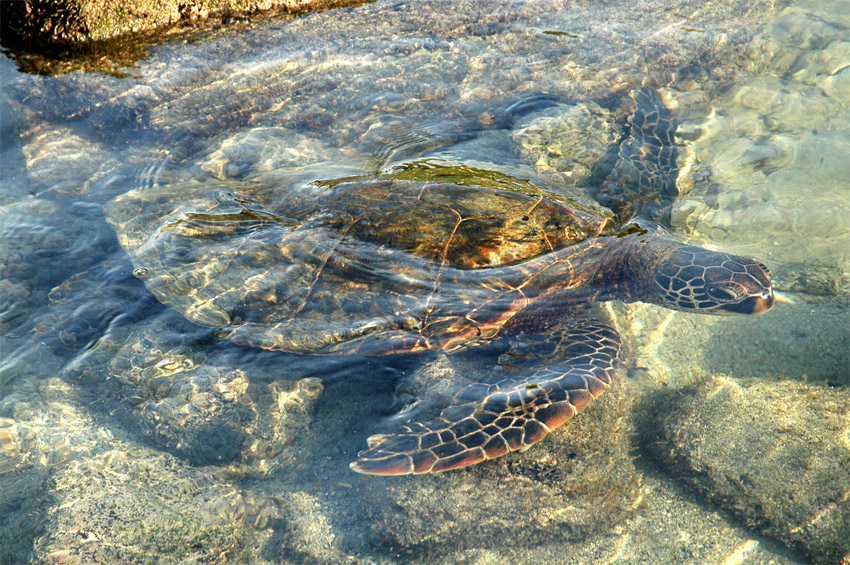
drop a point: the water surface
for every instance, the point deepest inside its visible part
(130, 433)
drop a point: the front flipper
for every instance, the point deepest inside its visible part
(540, 385)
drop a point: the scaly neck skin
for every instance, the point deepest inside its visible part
(608, 268)
(628, 268)
(616, 267)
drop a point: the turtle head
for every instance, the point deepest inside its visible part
(698, 280)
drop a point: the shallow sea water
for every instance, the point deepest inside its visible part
(130, 434)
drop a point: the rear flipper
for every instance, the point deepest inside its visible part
(643, 181)
(541, 384)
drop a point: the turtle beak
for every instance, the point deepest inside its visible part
(763, 303)
(752, 305)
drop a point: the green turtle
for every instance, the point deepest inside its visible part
(404, 263)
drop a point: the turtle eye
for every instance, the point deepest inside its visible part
(725, 294)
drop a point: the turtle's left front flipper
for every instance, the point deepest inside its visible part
(540, 384)
(643, 181)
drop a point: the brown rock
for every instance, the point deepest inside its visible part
(39, 24)
(777, 454)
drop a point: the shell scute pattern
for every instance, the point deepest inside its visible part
(373, 256)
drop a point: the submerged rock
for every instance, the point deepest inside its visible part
(34, 442)
(132, 505)
(805, 339)
(776, 151)
(155, 377)
(568, 140)
(35, 254)
(777, 454)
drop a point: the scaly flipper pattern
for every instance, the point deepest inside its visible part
(539, 386)
(643, 182)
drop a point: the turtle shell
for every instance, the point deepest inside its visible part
(355, 265)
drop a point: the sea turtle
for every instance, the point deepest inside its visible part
(402, 263)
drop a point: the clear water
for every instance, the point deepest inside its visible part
(129, 433)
